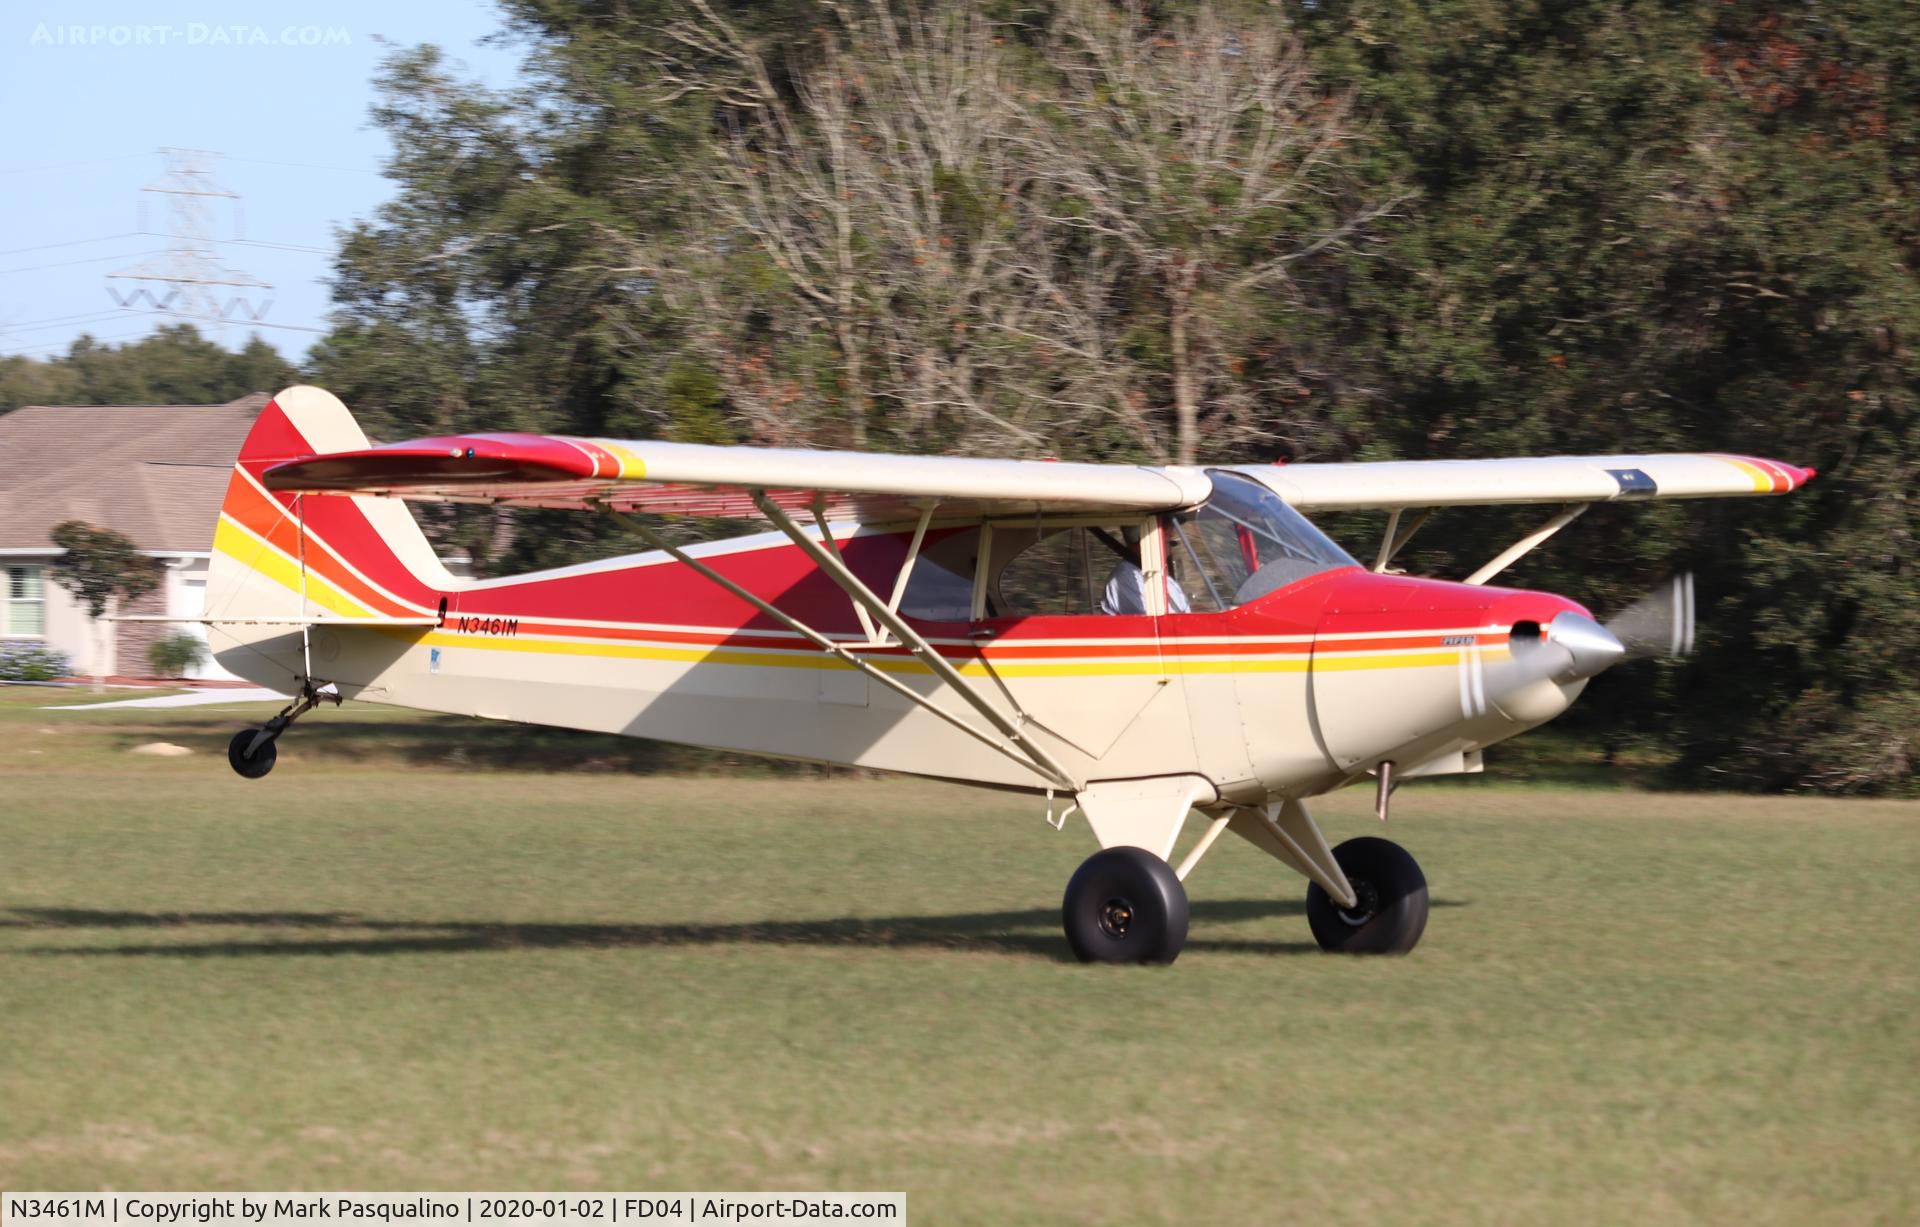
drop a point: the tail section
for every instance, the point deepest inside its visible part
(282, 557)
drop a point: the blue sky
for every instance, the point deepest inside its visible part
(93, 90)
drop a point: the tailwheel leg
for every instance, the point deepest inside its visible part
(1389, 912)
(251, 753)
(1125, 905)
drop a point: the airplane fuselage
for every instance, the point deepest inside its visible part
(1289, 695)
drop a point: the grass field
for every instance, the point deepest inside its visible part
(412, 958)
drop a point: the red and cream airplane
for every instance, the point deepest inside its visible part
(1131, 643)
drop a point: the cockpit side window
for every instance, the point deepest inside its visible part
(1241, 544)
(1079, 569)
(1035, 570)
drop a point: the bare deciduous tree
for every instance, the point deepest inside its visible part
(968, 229)
(1202, 149)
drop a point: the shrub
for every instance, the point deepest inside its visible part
(173, 655)
(32, 662)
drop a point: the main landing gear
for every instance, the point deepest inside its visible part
(251, 753)
(1126, 904)
(1390, 908)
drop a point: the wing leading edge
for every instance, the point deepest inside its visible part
(1385, 485)
(703, 480)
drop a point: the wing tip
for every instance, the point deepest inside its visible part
(1793, 475)
(1770, 476)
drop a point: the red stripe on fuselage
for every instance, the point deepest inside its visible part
(267, 518)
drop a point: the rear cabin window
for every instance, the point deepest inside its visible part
(1054, 575)
(1048, 570)
(941, 586)
(1079, 570)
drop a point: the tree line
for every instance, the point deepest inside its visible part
(1328, 230)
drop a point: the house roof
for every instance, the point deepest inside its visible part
(156, 473)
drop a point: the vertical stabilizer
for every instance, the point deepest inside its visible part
(284, 556)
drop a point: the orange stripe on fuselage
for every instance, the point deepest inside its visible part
(267, 519)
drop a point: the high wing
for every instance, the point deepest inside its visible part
(702, 480)
(1399, 484)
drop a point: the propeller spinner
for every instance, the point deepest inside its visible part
(1571, 647)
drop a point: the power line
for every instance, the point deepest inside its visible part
(14, 251)
(34, 268)
(118, 336)
(351, 170)
(46, 347)
(34, 170)
(318, 251)
(287, 327)
(244, 242)
(127, 157)
(64, 321)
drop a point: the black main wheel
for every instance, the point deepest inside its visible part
(1391, 912)
(1125, 905)
(251, 766)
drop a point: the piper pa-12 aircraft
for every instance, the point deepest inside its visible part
(1130, 643)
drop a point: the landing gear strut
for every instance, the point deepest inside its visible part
(1390, 901)
(1125, 905)
(251, 753)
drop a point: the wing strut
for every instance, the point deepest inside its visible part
(829, 561)
(1396, 536)
(1012, 744)
(1524, 545)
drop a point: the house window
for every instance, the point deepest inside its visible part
(25, 613)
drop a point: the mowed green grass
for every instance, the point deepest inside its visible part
(412, 959)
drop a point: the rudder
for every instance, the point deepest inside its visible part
(278, 555)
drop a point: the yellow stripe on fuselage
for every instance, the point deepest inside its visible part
(249, 550)
(894, 664)
(1402, 660)
(239, 543)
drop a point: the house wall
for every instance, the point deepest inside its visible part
(186, 596)
(181, 594)
(128, 641)
(67, 629)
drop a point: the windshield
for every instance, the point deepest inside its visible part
(1241, 544)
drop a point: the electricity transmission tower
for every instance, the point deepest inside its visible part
(192, 274)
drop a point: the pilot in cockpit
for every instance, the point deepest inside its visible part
(1126, 590)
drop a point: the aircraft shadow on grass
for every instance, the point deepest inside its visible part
(336, 933)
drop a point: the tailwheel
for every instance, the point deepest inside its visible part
(1390, 911)
(251, 752)
(1125, 905)
(249, 760)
